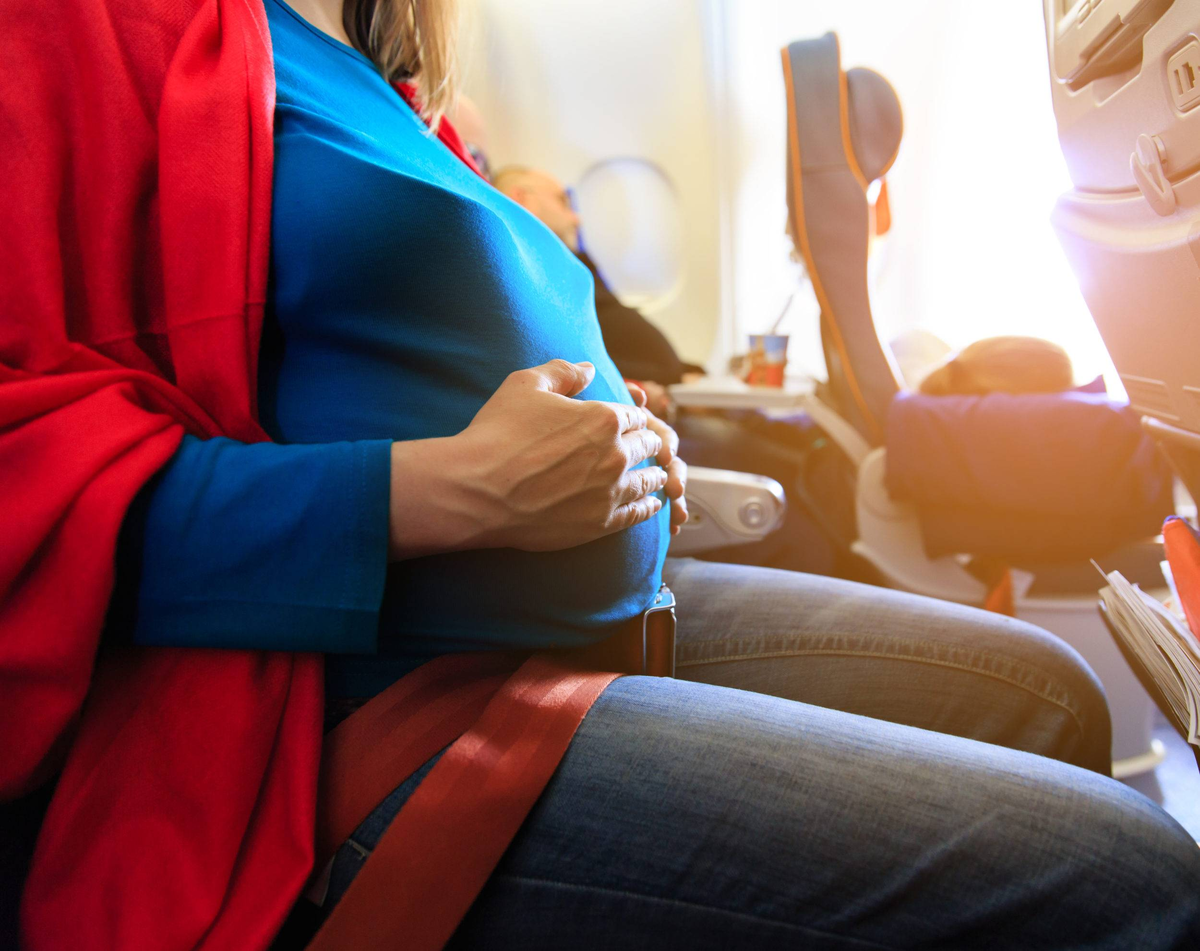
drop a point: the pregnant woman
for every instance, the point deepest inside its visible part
(229, 221)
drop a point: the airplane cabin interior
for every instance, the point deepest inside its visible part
(539, 474)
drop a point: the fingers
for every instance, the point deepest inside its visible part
(676, 479)
(637, 392)
(640, 445)
(559, 376)
(639, 503)
(669, 437)
(629, 418)
(679, 515)
(640, 482)
(677, 493)
(634, 513)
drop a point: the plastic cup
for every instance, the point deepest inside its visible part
(767, 360)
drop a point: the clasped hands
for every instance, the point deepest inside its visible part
(536, 470)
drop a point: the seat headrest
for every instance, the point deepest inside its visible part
(876, 122)
(844, 131)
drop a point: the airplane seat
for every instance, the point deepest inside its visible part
(843, 132)
(1129, 128)
(844, 150)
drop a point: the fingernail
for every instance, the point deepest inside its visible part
(584, 363)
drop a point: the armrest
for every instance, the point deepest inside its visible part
(728, 508)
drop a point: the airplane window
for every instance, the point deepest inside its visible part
(630, 225)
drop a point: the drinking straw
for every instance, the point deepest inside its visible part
(782, 313)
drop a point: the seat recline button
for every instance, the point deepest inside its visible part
(753, 514)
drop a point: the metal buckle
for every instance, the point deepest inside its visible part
(658, 635)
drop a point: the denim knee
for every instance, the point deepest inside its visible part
(889, 655)
(1048, 665)
(1135, 874)
(687, 816)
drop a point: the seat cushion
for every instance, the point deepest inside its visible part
(1027, 478)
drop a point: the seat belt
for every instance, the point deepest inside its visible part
(507, 732)
(376, 748)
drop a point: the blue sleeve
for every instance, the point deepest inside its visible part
(280, 547)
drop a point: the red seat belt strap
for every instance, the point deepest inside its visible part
(370, 753)
(438, 852)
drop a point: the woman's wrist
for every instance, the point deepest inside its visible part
(430, 509)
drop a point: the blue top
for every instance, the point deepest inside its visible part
(404, 290)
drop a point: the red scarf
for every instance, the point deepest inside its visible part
(134, 240)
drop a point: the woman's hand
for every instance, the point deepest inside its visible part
(534, 470)
(658, 400)
(675, 467)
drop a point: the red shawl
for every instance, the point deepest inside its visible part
(134, 238)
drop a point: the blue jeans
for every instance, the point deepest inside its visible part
(744, 807)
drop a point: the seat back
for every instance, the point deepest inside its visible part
(844, 130)
(1125, 84)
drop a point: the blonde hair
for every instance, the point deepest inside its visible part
(410, 40)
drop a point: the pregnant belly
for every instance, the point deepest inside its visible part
(503, 598)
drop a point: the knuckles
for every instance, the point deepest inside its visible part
(561, 367)
(651, 445)
(613, 463)
(603, 420)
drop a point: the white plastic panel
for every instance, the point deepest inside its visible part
(1131, 225)
(1099, 124)
(1095, 37)
(1138, 272)
(571, 86)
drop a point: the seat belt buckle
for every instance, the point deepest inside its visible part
(645, 644)
(658, 635)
